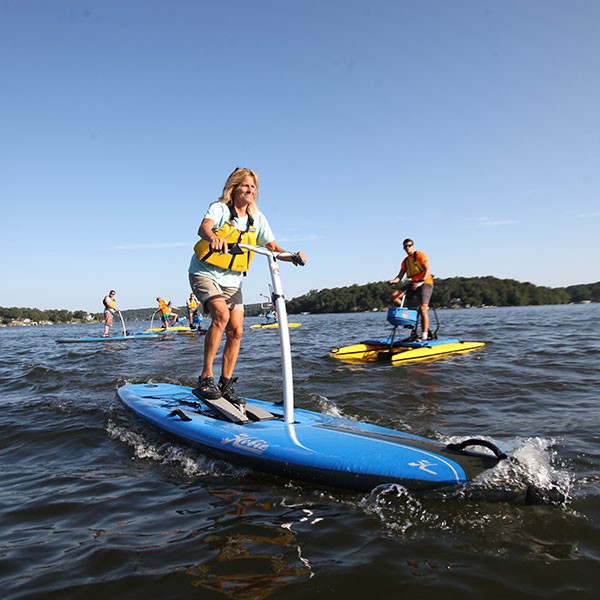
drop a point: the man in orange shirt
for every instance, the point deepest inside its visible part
(416, 267)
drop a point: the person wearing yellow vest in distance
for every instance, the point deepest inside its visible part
(216, 276)
(165, 311)
(193, 307)
(416, 267)
(110, 309)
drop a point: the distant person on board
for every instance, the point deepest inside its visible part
(110, 309)
(173, 316)
(166, 312)
(216, 276)
(271, 316)
(193, 310)
(416, 267)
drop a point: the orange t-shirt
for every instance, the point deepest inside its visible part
(414, 267)
(164, 308)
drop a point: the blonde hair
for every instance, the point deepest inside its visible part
(232, 183)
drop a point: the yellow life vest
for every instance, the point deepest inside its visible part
(110, 304)
(229, 232)
(193, 304)
(416, 269)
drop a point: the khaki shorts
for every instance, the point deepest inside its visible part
(422, 293)
(204, 289)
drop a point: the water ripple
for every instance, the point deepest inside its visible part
(95, 503)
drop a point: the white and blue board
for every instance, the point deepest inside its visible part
(302, 444)
(322, 449)
(111, 338)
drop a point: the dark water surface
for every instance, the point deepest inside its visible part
(96, 505)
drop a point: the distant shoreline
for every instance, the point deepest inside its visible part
(31, 323)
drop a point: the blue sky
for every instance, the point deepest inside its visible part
(470, 126)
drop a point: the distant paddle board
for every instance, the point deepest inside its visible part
(111, 338)
(178, 329)
(272, 325)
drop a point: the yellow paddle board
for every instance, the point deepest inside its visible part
(372, 352)
(272, 325)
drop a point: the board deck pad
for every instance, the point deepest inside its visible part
(234, 413)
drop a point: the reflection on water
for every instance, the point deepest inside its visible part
(248, 559)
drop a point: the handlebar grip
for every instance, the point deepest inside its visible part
(297, 260)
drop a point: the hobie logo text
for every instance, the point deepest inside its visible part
(246, 442)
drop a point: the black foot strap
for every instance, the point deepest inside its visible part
(475, 442)
(179, 413)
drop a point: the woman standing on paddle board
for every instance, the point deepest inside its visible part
(416, 267)
(216, 276)
(110, 309)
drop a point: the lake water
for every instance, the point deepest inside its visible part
(94, 504)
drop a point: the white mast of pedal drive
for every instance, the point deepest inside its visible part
(284, 333)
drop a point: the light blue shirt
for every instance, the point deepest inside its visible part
(219, 213)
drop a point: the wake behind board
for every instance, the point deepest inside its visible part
(318, 448)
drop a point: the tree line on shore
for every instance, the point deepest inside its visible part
(54, 315)
(453, 292)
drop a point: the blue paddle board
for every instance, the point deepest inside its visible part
(318, 448)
